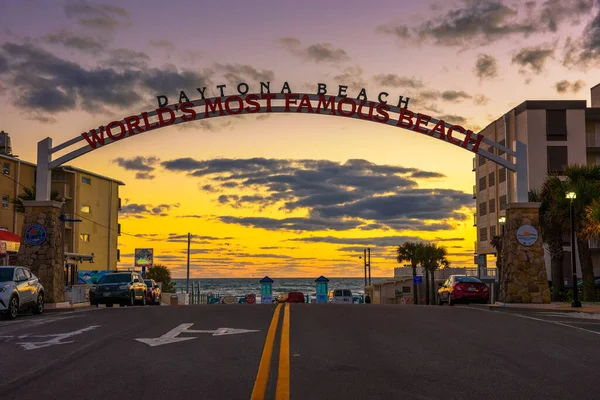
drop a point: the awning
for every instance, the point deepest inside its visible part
(78, 258)
(9, 237)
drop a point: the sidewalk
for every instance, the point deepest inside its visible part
(65, 307)
(559, 307)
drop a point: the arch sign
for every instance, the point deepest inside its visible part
(241, 102)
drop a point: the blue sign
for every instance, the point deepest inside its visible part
(144, 271)
(35, 235)
(418, 279)
(322, 298)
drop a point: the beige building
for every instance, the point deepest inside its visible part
(91, 198)
(557, 133)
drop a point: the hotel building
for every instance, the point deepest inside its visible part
(557, 133)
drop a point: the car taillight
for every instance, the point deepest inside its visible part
(458, 287)
(485, 288)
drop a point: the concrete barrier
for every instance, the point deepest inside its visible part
(182, 298)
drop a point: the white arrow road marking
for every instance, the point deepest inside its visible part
(171, 336)
(56, 339)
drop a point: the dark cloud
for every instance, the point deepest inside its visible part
(164, 44)
(397, 81)
(453, 95)
(584, 52)
(86, 44)
(446, 95)
(480, 99)
(480, 22)
(353, 77)
(533, 59)
(135, 210)
(98, 16)
(144, 165)
(486, 66)
(369, 241)
(236, 73)
(3, 64)
(454, 119)
(337, 196)
(318, 52)
(48, 84)
(126, 59)
(565, 86)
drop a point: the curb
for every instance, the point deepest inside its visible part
(509, 308)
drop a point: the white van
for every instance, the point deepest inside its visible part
(340, 296)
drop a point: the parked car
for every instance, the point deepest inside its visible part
(153, 293)
(20, 290)
(462, 288)
(281, 298)
(295, 297)
(340, 296)
(123, 288)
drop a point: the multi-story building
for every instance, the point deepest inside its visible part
(557, 133)
(91, 209)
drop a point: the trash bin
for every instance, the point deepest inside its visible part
(174, 300)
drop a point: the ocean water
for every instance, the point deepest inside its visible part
(243, 286)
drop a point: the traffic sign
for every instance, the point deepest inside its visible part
(250, 299)
(418, 279)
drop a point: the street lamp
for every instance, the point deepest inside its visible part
(502, 221)
(576, 303)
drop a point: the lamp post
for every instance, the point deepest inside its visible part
(576, 302)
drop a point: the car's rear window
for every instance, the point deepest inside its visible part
(6, 274)
(466, 279)
(148, 283)
(115, 278)
(347, 293)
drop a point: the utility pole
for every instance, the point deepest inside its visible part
(188, 264)
(365, 262)
(369, 263)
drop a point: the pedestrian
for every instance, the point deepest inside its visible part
(367, 299)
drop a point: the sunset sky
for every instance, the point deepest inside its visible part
(287, 195)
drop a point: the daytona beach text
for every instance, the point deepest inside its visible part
(286, 101)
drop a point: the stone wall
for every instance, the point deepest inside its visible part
(523, 277)
(45, 261)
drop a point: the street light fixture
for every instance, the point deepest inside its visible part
(502, 221)
(576, 303)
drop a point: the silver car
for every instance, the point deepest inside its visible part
(20, 290)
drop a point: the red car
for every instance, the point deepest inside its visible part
(153, 293)
(462, 288)
(295, 297)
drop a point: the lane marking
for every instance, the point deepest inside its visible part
(535, 319)
(283, 375)
(262, 377)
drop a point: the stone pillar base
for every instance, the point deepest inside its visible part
(42, 250)
(523, 274)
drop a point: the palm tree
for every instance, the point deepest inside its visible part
(592, 220)
(409, 252)
(552, 232)
(496, 243)
(584, 180)
(29, 195)
(432, 257)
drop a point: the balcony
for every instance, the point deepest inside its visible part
(475, 219)
(592, 141)
(474, 191)
(474, 164)
(595, 244)
(63, 189)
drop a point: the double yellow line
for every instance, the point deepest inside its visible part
(283, 374)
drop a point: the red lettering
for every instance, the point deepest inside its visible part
(290, 99)
(240, 107)
(305, 102)
(268, 97)
(133, 124)
(251, 99)
(188, 108)
(439, 128)
(324, 104)
(382, 110)
(109, 129)
(95, 140)
(148, 126)
(421, 119)
(469, 139)
(452, 129)
(370, 115)
(346, 113)
(161, 121)
(213, 107)
(405, 116)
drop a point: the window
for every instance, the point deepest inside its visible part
(492, 179)
(59, 176)
(20, 275)
(27, 273)
(481, 161)
(119, 229)
(502, 175)
(492, 231)
(118, 254)
(503, 202)
(482, 181)
(5, 201)
(405, 289)
(482, 209)
(491, 149)
(556, 125)
(557, 158)
(84, 237)
(503, 143)
(119, 207)
(85, 208)
(86, 180)
(492, 207)
(483, 234)
(6, 168)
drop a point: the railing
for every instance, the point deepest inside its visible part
(475, 219)
(474, 164)
(474, 191)
(592, 139)
(594, 243)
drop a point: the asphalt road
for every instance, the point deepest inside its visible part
(303, 352)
